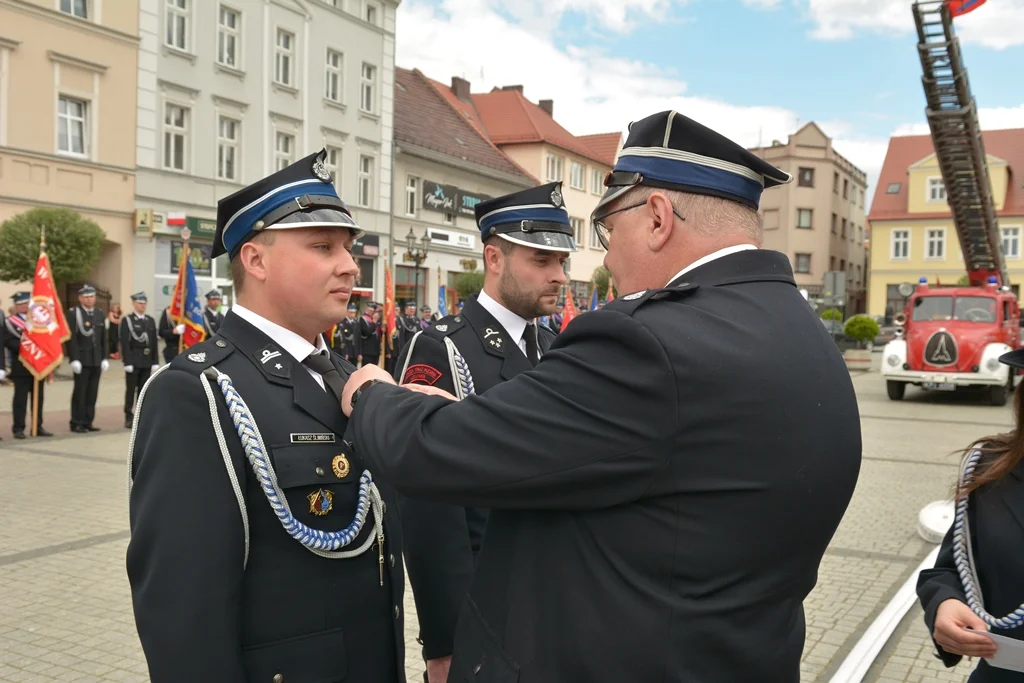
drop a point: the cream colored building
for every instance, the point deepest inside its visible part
(912, 229)
(67, 116)
(818, 219)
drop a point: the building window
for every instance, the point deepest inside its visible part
(853, 194)
(411, 187)
(805, 177)
(803, 263)
(846, 188)
(72, 125)
(900, 244)
(333, 75)
(894, 302)
(936, 190)
(843, 233)
(831, 263)
(835, 183)
(805, 218)
(365, 180)
(860, 234)
(842, 264)
(227, 148)
(596, 181)
(284, 148)
(577, 230)
(859, 272)
(333, 164)
(595, 242)
(175, 137)
(228, 25)
(284, 51)
(448, 218)
(1011, 242)
(177, 24)
(935, 247)
(76, 8)
(576, 172)
(371, 14)
(554, 171)
(893, 188)
(835, 222)
(368, 88)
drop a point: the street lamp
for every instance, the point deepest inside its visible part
(417, 255)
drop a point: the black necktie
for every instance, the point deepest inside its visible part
(321, 363)
(530, 334)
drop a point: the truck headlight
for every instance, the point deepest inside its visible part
(992, 364)
(893, 360)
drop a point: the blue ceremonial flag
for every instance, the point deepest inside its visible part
(442, 304)
(593, 299)
(193, 319)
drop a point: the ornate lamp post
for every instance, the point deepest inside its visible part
(417, 254)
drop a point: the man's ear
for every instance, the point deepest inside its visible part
(663, 221)
(493, 258)
(253, 257)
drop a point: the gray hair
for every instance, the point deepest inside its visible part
(709, 215)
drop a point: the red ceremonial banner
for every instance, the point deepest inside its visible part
(569, 311)
(958, 8)
(46, 328)
(388, 318)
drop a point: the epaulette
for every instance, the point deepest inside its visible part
(197, 358)
(629, 303)
(445, 326)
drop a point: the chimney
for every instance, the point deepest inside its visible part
(548, 106)
(517, 88)
(460, 86)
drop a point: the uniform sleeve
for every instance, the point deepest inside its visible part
(586, 428)
(185, 556)
(153, 345)
(122, 335)
(435, 536)
(73, 352)
(938, 584)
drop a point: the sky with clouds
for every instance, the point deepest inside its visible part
(755, 70)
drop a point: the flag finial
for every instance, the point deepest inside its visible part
(42, 238)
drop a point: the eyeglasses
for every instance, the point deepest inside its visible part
(604, 232)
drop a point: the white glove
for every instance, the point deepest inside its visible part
(129, 369)
(76, 367)
(3, 374)
(180, 329)
(153, 368)
(104, 364)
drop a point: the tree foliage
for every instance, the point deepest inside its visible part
(861, 328)
(469, 284)
(73, 244)
(831, 314)
(601, 279)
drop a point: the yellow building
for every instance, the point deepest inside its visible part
(68, 74)
(912, 230)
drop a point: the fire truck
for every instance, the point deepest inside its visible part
(950, 338)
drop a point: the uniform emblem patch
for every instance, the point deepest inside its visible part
(556, 197)
(421, 374)
(340, 466)
(634, 295)
(320, 171)
(441, 328)
(197, 357)
(320, 502)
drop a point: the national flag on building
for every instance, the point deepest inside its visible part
(174, 218)
(46, 328)
(958, 8)
(568, 311)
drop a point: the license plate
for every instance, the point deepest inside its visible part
(939, 386)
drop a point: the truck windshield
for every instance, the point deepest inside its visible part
(976, 309)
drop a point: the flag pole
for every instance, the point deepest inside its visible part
(35, 380)
(184, 285)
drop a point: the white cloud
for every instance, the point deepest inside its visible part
(763, 4)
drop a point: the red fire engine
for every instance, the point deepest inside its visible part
(952, 337)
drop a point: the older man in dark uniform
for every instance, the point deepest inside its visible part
(14, 327)
(346, 333)
(527, 238)
(171, 333)
(664, 483)
(408, 325)
(212, 317)
(87, 350)
(137, 334)
(370, 331)
(262, 549)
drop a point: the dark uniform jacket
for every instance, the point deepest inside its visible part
(11, 335)
(442, 541)
(996, 515)
(408, 326)
(369, 337)
(88, 343)
(204, 617)
(166, 332)
(347, 331)
(662, 485)
(212, 320)
(138, 341)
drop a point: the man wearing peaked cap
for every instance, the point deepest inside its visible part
(10, 331)
(527, 238)
(262, 547)
(137, 335)
(664, 483)
(212, 317)
(87, 350)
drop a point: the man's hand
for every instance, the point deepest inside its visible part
(153, 368)
(76, 366)
(104, 364)
(180, 329)
(357, 379)
(956, 631)
(429, 391)
(129, 369)
(437, 669)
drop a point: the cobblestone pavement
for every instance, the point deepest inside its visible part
(65, 610)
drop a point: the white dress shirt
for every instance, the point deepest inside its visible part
(513, 324)
(297, 347)
(711, 257)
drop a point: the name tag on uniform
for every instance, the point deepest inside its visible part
(313, 437)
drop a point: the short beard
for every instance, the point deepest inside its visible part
(526, 305)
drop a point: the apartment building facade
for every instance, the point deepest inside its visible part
(67, 96)
(232, 91)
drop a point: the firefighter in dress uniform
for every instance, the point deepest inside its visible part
(13, 328)
(345, 334)
(497, 336)
(212, 317)
(369, 335)
(408, 325)
(87, 350)
(261, 548)
(171, 334)
(137, 333)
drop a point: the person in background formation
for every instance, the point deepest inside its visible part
(369, 335)
(345, 335)
(87, 350)
(498, 337)
(13, 328)
(425, 320)
(171, 334)
(651, 517)
(113, 327)
(138, 348)
(408, 325)
(292, 574)
(556, 318)
(212, 317)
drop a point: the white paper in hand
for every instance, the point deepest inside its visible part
(1010, 655)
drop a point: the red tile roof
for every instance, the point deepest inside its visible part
(426, 116)
(904, 152)
(605, 145)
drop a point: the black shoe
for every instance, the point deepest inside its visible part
(90, 428)
(19, 435)
(78, 429)
(43, 432)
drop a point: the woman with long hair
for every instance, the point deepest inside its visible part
(113, 324)
(977, 584)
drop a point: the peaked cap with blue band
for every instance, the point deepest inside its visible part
(140, 296)
(301, 195)
(21, 297)
(672, 152)
(535, 217)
